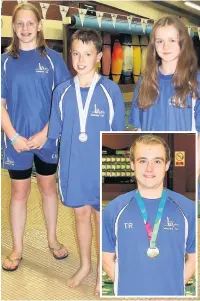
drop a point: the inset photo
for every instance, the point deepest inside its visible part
(149, 214)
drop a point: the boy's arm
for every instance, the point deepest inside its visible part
(190, 267)
(108, 263)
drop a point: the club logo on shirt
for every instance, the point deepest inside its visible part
(42, 69)
(128, 225)
(171, 225)
(8, 161)
(97, 112)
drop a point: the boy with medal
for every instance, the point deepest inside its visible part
(146, 233)
(82, 107)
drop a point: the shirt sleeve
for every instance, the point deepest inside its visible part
(135, 117)
(108, 231)
(197, 115)
(62, 73)
(55, 122)
(4, 89)
(191, 239)
(197, 105)
(118, 123)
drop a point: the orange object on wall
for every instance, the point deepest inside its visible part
(117, 61)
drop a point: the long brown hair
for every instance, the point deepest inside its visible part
(185, 76)
(13, 48)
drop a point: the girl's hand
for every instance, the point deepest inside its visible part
(21, 144)
(37, 141)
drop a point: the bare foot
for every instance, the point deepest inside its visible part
(97, 288)
(79, 276)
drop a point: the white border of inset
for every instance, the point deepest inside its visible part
(196, 206)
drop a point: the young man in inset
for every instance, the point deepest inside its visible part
(146, 233)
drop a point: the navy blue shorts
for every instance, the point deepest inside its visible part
(42, 168)
(12, 160)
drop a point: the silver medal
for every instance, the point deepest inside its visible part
(83, 137)
(83, 110)
(153, 252)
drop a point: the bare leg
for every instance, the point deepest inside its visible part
(84, 236)
(97, 228)
(47, 187)
(20, 190)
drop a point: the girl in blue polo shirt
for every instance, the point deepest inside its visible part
(166, 98)
(30, 71)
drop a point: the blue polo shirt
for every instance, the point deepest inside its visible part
(79, 168)
(124, 233)
(163, 116)
(27, 84)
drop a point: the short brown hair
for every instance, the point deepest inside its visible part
(150, 139)
(87, 36)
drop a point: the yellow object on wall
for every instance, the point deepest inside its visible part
(136, 58)
(144, 43)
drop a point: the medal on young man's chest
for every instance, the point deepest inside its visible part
(153, 252)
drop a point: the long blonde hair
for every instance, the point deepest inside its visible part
(185, 76)
(13, 48)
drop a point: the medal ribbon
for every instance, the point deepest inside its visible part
(152, 235)
(83, 111)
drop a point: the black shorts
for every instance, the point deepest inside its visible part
(42, 168)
